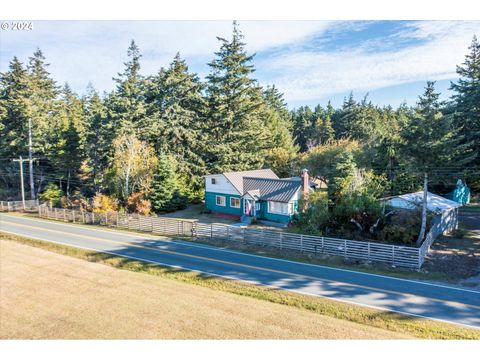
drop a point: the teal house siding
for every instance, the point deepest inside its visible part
(272, 216)
(210, 204)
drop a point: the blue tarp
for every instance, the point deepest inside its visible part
(460, 194)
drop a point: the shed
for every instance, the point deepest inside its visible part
(445, 210)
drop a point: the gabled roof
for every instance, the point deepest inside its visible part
(281, 190)
(254, 194)
(435, 203)
(236, 177)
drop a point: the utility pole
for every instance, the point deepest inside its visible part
(30, 160)
(20, 162)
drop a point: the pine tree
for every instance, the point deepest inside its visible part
(167, 193)
(432, 142)
(175, 111)
(467, 104)
(345, 117)
(67, 151)
(324, 130)
(14, 93)
(127, 104)
(237, 137)
(301, 123)
(42, 103)
(68, 157)
(277, 119)
(98, 149)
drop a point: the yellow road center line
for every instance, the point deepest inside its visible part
(229, 262)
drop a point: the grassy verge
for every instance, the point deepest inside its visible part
(331, 261)
(417, 327)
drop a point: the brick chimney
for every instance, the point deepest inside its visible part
(305, 189)
(305, 181)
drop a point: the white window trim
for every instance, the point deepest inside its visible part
(213, 181)
(239, 202)
(224, 200)
(276, 212)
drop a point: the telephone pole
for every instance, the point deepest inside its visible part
(30, 160)
(20, 162)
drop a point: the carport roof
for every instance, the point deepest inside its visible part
(435, 203)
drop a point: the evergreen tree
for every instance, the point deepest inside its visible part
(282, 151)
(167, 193)
(42, 103)
(98, 149)
(301, 123)
(127, 104)
(467, 104)
(237, 136)
(176, 110)
(68, 141)
(14, 93)
(431, 142)
(345, 117)
(67, 158)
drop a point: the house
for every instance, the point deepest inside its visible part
(445, 211)
(257, 194)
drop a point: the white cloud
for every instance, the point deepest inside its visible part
(315, 75)
(80, 52)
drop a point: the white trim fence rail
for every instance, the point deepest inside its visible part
(153, 224)
(400, 256)
(18, 205)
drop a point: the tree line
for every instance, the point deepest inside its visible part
(151, 139)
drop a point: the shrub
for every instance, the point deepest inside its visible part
(137, 203)
(402, 227)
(357, 211)
(51, 194)
(316, 217)
(103, 203)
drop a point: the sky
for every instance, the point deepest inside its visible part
(310, 62)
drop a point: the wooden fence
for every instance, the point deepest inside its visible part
(18, 205)
(401, 256)
(153, 224)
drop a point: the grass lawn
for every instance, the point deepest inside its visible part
(194, 212)
(46, 294)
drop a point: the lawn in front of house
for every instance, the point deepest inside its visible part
(198, 212)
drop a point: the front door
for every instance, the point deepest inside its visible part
(249, 207)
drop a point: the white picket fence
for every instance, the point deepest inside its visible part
(400, 256)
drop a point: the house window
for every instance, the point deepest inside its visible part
(234, 202)
(275, 207)
(220, 200)
(257, 206)
(214, 181)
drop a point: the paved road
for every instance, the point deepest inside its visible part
(386, 293)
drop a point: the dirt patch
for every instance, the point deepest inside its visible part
(458, 255)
